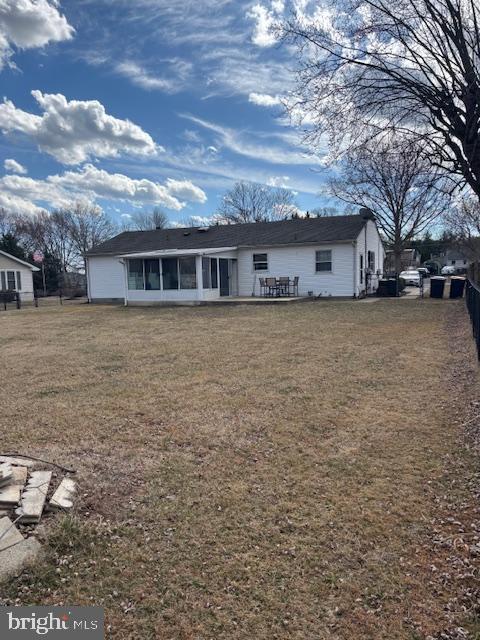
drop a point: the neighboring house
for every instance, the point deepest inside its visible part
(409, 258)
(452, 258)
(333, 256)
(16, 275)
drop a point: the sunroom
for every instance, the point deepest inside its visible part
(180, 276)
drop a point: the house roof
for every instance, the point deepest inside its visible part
(25, 264)
(256, 234)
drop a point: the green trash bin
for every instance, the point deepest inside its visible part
(457, 286)
(437, 286)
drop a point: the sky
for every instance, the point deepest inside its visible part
(132, 104)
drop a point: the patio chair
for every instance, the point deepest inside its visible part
(263, 287)
(271, 285)
(293, 288)
(284, 286)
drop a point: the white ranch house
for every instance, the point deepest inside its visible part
(16, 275)
(340, 256)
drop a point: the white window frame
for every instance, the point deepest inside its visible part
(323, 273)
(7, 271)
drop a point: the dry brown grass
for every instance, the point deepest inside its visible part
(246, 472)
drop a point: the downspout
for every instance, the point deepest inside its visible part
(87, 270)
(354, 268)
(125, 282)
(365, 260)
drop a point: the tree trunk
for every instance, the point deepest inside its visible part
(397, 255)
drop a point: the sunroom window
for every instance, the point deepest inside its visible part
(135, 274)
(170, 273)
(152, 275)
(188, 273)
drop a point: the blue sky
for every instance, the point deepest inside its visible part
(137, 103)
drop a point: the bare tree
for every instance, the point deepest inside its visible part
(50, 232)
(7, 223)
(398, 185)
(251, 202)
(87, 227)
(149, 220)
(463, 223)
(328, 212)
(411, 65)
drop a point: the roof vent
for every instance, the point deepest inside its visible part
(186, 233)
(203, 229)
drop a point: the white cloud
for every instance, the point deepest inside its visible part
(26, 24)
(264, 21)
(279, 181)
(90, 183)
(242, 144)
(12, 166)
(264, 99)
(16, 204)
(186, 190)
(141, 77)
(74, 131)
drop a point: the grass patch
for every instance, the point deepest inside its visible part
(245, 472)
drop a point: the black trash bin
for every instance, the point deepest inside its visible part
(437, 286)
(392, 287)
(382, 290)
(457, 285)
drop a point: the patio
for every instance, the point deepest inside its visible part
(279, 287)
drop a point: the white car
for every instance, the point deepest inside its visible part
(411, 278)
(448, 271)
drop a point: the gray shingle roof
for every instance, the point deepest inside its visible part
(257, 234)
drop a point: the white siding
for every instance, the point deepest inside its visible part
(299, 261)
(369, 240)
(26, 290)
(106, 278)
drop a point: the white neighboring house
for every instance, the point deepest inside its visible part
(16, 275)
(339, 256)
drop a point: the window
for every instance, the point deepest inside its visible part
(170, 273)
(260, 262)
(3, 280)
(453, 262)
(206, 273)
(361, 268)
(323, 261)
(19, 281)
(371, 260)
(188, 273)
(152, 275)
(11, 280)
(135, 274)
(214, 272)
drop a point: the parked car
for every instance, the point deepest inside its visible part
(448, 271)
(432, 268)
(411, 278)
(424, 272)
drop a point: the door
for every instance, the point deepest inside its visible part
(224, 277)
